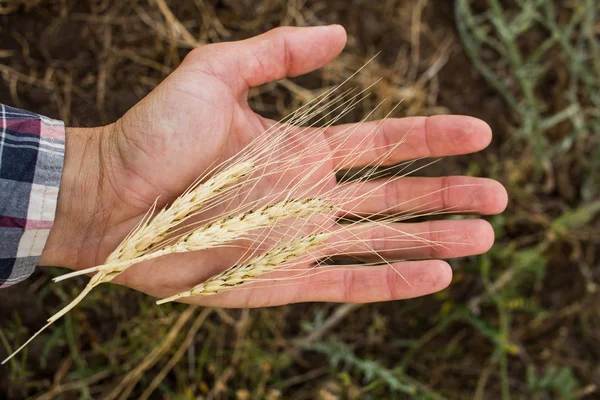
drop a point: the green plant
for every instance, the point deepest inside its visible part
(341, 356)
(552, 381)
(519, 50)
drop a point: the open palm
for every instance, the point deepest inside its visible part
(199, 116)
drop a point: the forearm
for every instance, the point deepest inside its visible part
(78, 198)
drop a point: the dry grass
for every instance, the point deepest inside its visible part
(87, 62)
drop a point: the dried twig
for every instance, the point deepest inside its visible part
(128, 383)
(178, 354)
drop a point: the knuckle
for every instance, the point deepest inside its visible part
(348, 286)
(270, 58)
(391, 280)
(445, 187)
(377, 240)
(385, 139)
(391, 197)
(433, 240)
(426, 136)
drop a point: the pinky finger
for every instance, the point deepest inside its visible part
(351, 284)
(396, 281)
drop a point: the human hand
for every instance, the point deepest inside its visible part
(200, 116)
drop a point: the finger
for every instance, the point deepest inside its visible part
(432, 239)
(368, 284)
(395, 140)
(281, 52)
(397, 281)
(361, 284)
(456, 194)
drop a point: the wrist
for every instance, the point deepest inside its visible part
(78, 197)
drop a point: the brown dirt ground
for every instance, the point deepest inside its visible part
(74, 53)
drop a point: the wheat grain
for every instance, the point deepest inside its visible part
(222, 231)
(242, 273)
(181, 209)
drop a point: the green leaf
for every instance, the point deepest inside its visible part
(575, 219)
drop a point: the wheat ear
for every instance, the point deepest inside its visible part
(185, 206)
(222, 231)
(240, 274)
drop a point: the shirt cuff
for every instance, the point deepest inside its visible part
(32, 151)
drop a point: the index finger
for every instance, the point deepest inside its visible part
(396, 140)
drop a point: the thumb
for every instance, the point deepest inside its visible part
(279, 53)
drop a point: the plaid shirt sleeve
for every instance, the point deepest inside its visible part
(31, 160)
